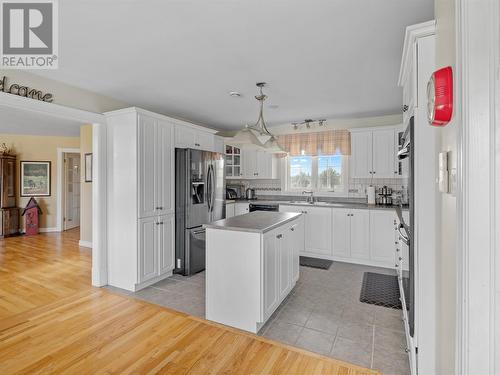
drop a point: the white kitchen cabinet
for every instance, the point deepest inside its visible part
(230, 212)
(360, 234)
(218, 144)
(341, 233)
(297, 242)
(255, 163)
(254, 277)
(318, 226)
(241, 208)
(271, 264)
(187, 136)
(148, 249)
(351, 230)
(166, 243)
(382, 241)
(373, 153)
(361, 154)
(249, 158)
(383, 153)
(141, 179)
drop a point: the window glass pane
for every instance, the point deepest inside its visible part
(300, 172)
(330, 173)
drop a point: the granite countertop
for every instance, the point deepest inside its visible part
(256, 222)
(333, 204)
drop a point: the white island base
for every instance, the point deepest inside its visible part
(252, 264)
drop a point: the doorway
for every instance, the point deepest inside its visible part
(71, 184)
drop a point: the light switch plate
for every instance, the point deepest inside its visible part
(443, 176)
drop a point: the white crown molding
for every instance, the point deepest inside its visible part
(412, 33)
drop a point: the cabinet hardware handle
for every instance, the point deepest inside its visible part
(279, 236)
(395, 172)
(157, 223)
(374, 172)
(292, 229)
(405, 108)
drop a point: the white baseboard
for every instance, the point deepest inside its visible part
(48, 230)
(85, 243)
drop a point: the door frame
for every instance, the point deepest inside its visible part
(99, 170)
(478, 187)
(61, 195)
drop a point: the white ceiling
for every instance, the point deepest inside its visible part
(321, 58)
(20, 121)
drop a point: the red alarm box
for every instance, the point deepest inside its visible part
(440, 97)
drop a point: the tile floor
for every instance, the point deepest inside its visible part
(322, 314)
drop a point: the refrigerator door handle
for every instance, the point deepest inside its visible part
(209, 188)
(212, 180)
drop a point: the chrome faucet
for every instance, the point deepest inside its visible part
(310, 198)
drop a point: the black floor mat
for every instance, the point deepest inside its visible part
(315, 263)
(381, 290)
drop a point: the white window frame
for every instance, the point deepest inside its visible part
(314, 177)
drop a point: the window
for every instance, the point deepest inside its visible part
(325, 173)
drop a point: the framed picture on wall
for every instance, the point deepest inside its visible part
(88, 167)
(35, 178)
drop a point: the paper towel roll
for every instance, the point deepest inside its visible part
(370, 192)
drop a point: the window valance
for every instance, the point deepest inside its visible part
(331, 142)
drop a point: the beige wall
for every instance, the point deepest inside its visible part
(39, 148)
(86, 187)
(447, 308)
(64, 94)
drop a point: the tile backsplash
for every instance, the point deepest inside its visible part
(356, 187)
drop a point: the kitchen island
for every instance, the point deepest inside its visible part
(252, 264)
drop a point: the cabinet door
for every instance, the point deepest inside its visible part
(361, 154)
(218, 144)
(241, 208)
(382, 236)
(270, 275)
(264, 165)
(284, 242)
(318, 230)
(360, 234)
(147, 146)
(166, 244)
(297, 240)
(249, 163)
(165, 171)
(230, 210)
(341, 233)
(148, 249)
(204, 141)
(383, 153)
(184, 136)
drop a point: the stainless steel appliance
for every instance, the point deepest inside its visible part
(231, 193)
(250, 193)
(406, 229)
(263, 207)
(200, 197)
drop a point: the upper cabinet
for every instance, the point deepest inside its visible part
(191, 136)
(373, 153)
(250, 163)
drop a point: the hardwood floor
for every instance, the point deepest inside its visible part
(53, 321)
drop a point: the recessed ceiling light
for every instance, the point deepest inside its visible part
(234, 94)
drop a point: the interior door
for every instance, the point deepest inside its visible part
(71, 190)
(383, 153)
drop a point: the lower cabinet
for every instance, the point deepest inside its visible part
(241, 208)
(318, 228)
(156, 247)
(351, 230)
(382, 236)
(230, 210)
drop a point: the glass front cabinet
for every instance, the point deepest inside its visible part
(233, 162)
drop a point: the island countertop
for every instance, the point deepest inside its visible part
(256, 222)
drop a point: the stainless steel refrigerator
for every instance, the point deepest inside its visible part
(200, 185)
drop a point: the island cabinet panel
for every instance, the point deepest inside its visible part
(248, 282)
(272, 265)
(341, 232)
